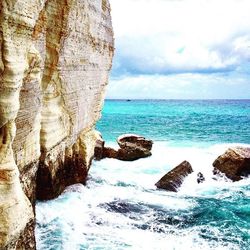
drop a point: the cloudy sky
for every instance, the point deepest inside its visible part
(191, 49)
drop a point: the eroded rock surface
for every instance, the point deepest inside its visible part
(234, 163)
(55, 58)
(174, 179)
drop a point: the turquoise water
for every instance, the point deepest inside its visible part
(120, 208)
(207, 121)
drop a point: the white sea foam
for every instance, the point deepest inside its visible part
(104, 214)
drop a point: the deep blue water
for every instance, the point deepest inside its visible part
(120, 208)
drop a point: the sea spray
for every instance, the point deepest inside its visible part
(120, 207)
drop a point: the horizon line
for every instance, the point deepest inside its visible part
(178, 99)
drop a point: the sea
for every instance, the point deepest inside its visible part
(120, 207)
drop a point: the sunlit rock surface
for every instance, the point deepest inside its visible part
(174, 178)
(55, 58)
(234, 163)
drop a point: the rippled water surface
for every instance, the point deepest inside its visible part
(120, 208)
(182, 121)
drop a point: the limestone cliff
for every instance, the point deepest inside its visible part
(55, 57)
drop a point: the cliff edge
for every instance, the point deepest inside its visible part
(55, 58)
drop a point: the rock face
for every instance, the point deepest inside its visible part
(173, 179)
(55, 56)
(234, 163)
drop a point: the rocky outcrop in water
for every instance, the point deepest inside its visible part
(174, 179)
(55, 58)
(132, 147)
(234, 163)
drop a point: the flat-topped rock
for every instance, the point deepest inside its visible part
(133, 147)
(174, 179)
(133, 140)
(234, 163)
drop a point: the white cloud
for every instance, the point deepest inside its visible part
(208, 20)
(181, 49)
(164, 36)
(181, 86)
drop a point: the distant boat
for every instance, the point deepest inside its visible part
(128, 100)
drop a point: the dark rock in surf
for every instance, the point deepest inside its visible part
(132, 147)
(174, 179)
(102, 152)
(200, 178)
(132, 154)
(123, 207)
(234, 163)
(109, 153)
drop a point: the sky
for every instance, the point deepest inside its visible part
(181, 49)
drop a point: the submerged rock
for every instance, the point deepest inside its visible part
(174, 179)
(200, 178)
(234, 163)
